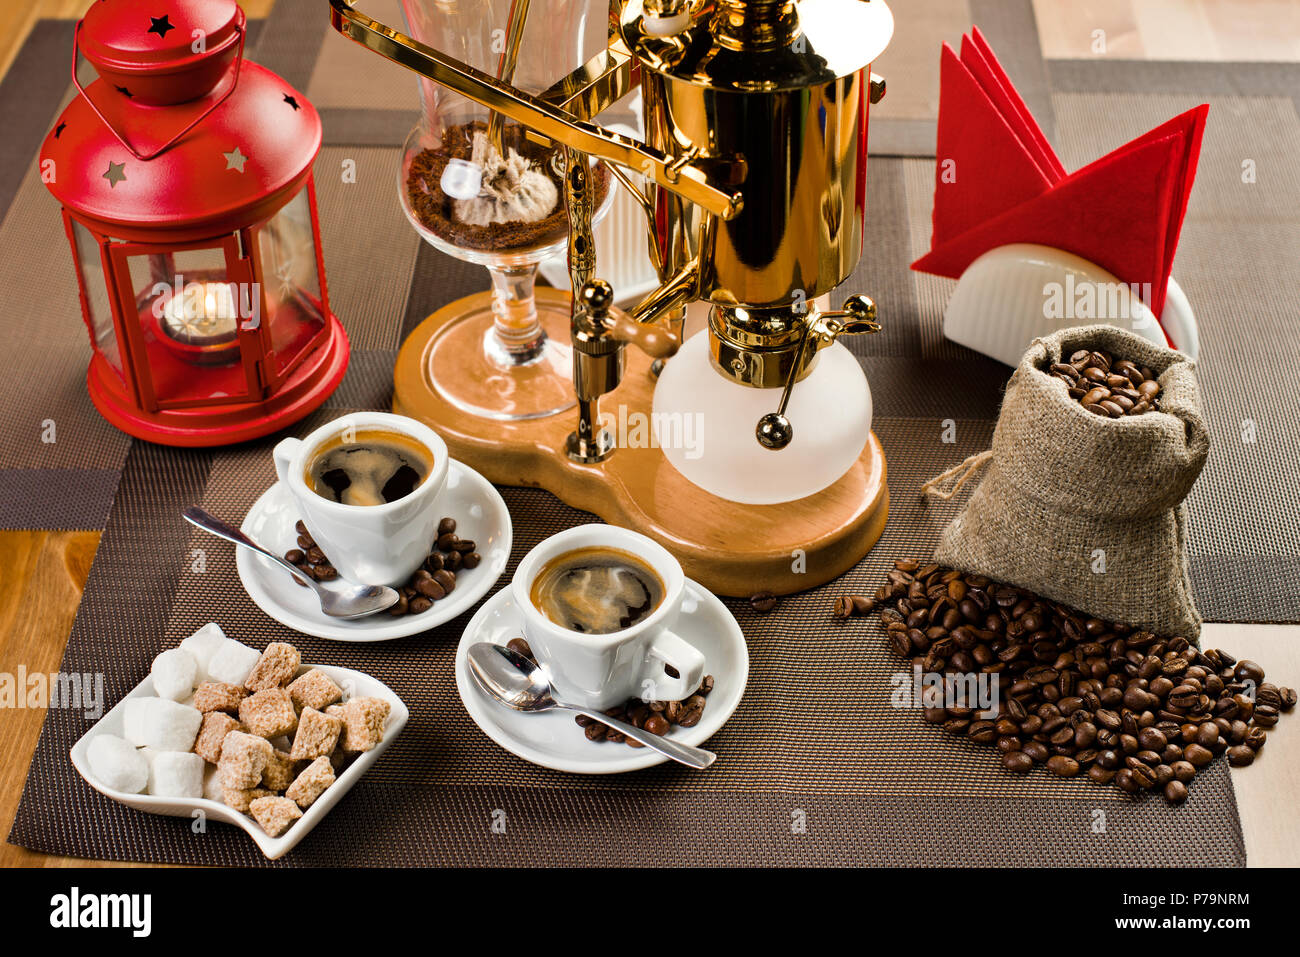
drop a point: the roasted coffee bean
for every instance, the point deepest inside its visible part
(1207, 735)
(1036, 750)
(762, 602)
(852, 606)
(656, 724)
(1152, 739)
(520, 647)
(1063, 766)
(1265, 716)
(446, 542)
(1198, 755)
(446, 579)
(447, 526)
(1175, 792)
(1255, 738)
(1143, 776)
(1100, 774)
(471, 560)
(295, 556)
(1239, 755)
(429, 588)
(1018, 762)
(1289, 697)
(420, 604)
(1248, 671)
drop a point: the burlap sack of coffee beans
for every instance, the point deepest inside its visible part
(1084, 509)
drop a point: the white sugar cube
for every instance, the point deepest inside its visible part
(175, 774)
(212, 786)
(203, 644)
(117, 764)
(232, 662)
(160, 723)
(173, 674)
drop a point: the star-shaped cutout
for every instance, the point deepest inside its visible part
(292, 102)
(235, 160)
(58, 130)
(160, 25)
(115, 173)
(124, 91)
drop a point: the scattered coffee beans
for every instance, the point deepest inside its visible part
(433, 580)
(657, 717)
(763, 602)
(1108, 387)
(852, 606)
(1078, 695)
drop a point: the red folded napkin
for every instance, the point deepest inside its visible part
(981, 166)
(1123, 212)
(981, 61)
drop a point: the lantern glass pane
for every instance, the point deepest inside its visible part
(189, 314)
(294, 314)
(95, 286)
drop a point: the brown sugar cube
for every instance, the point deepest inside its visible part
(279, 771)
(216, 725)
(363, 723)
(276, 668)
(218, 696)
(317, 735)
(243, 758)
(311, 784)
(315, 689)
(275, 814)
(241, 798)
(269, 713)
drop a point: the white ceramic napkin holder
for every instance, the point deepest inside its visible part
(1013, 294)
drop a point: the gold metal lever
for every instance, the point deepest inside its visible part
(775, 431)
(691, 181)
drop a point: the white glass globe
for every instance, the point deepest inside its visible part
(704, 423)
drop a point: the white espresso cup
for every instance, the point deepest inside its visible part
(601, 670)
(368, 544)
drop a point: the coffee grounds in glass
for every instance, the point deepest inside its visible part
(434, 208)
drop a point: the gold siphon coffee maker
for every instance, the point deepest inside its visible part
(745, 449)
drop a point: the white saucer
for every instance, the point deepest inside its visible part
(469, 498)
(554, 740)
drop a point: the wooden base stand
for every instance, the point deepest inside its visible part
(731, 549)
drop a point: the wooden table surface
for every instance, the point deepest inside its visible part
(42, 573)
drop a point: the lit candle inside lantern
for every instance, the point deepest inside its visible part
(203, 314)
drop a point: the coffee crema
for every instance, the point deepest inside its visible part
(596, 590)
(368, 467)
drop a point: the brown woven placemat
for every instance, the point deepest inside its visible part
(814, 739)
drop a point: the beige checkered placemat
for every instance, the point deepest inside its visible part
(813, 734)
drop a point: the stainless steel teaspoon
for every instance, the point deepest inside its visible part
(354, 601)
(519, 684)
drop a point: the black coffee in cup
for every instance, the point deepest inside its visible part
(368, 467)
(596, 590)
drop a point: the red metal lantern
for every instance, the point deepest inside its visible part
(184, 173)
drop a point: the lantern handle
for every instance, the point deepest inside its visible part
(121, 138)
